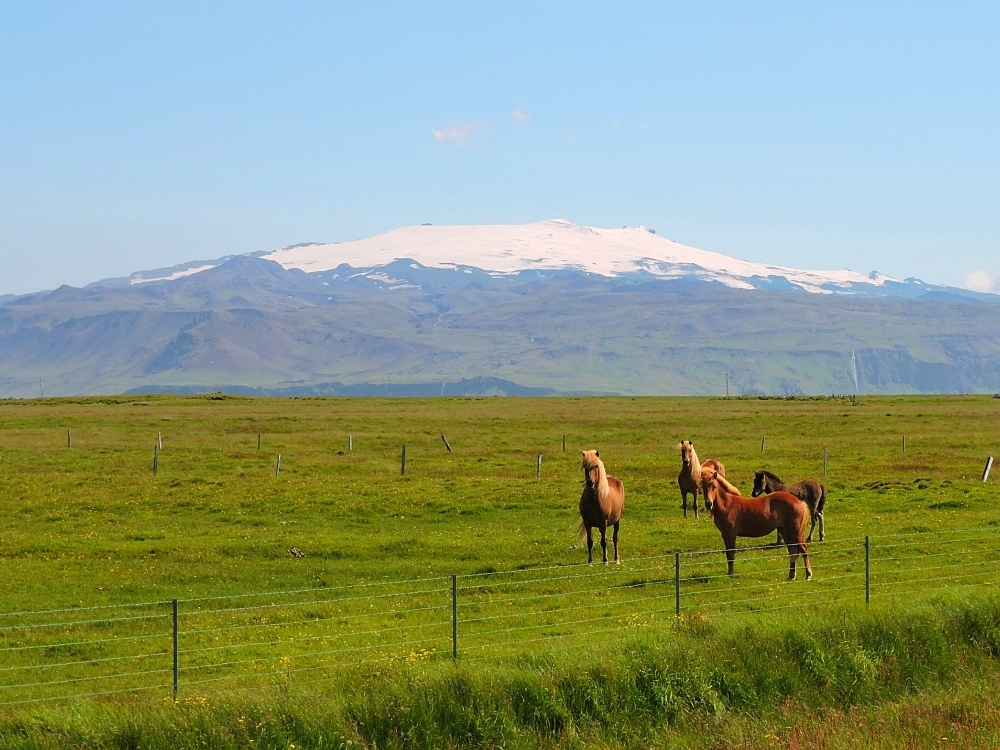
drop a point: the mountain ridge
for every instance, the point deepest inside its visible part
(250, 323)
(558, 245)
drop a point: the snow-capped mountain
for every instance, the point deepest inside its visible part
(560, 245)
(513, 250)
(548, 306)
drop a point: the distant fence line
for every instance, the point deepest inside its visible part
(193, 645)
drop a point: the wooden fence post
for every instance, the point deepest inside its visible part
(446, 445)
(986, 471)
(402, 462)
(454, 617)
(538, 467)
(677, 583)
(868, 572)
(176, 650)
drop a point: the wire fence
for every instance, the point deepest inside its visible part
(208, 644)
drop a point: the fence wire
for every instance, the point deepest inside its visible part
(275, 638)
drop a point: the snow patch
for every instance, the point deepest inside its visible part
(504, 249)
(139, 279)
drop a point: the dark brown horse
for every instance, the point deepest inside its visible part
(811, 493)
(601, 504)
(689, 479)
(737, 516)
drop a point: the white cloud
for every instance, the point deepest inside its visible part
(521, 118)
(458, 133)
(980, 281)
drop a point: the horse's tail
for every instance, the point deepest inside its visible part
(581, 530)
(821, 503)
(804, 520)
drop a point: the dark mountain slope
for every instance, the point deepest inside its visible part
(250, 323)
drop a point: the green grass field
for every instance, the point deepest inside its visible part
(90, 526)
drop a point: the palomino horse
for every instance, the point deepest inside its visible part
(811, 493)
(690, 477)
(601, 504)
(735, 516)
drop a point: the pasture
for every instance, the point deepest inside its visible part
(91, 526)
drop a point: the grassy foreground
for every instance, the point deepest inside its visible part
(883, 679)
(89, 525)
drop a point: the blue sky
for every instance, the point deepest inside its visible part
(819, 135)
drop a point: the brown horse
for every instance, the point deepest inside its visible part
(601, 504)
(811, 493)
(690, 477)
(736, 516)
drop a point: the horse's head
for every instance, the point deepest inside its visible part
(686, 450)
(709, 487)
(759, 484)
(591, 462)
(594, 474)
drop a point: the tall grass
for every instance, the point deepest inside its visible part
(702, 683)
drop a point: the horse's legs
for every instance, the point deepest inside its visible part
(793, 553)
(695, 503)
(590, 547)
(794, 550)
(684, 498)
(779, 541)
(730, 554)
(812, 526)
(822, 526)
(604, 542)
(617, 524)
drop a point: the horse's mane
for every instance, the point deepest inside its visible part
(730, 488)
(590, 461)
(723, 482)
(772, 476)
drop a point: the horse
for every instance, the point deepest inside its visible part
(736, 516)
(690, 476)
(601, 504)
(811, 493)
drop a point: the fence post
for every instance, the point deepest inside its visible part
(446, 444)
(159, 441)
(868, 572)
(277, 466)
(176, 652)
(350, 442)
(258, 442)
(454, 617)
(402, 462)
(677, 584)
(564, 443)
(69, 438)
(762, 446)
(538, 467)
(156, 459)
(904, 443)
(986, 471)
